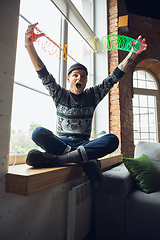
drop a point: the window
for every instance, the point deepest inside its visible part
(30, 99)
(145, 107)
(142, 79)
(85, 8)
(60, 20)
(82, 54)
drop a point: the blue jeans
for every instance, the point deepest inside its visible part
(96, 148)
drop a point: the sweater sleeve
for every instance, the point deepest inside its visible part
(50, 83)
(118, 73)
(103, 88)
(43, 72)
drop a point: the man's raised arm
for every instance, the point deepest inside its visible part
(126, 63)
(37, 62)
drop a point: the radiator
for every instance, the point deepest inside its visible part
(80, 211)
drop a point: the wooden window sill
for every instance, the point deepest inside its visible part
(25, 180)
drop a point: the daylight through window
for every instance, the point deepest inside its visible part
(145, 107)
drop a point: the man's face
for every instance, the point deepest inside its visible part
(77, 80)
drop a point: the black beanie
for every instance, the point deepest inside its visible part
(77, 66)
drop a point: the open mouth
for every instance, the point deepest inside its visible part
(78, 85)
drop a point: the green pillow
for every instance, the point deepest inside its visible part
(144, 172)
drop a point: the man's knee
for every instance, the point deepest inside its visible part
(115, 139)
(40, 132)
(36, 133)
(112, 140)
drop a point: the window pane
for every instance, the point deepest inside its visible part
(135, 73)
(141, 84)
(136, 126)
(137, 138)
(29, 109)
(45, 13)
(136, 119)
(145, 119)
(147, 106)
(78, 48)
(135, 77)
(80, 51)
(141, 75)
(149, 77)
(151, 85)
(151, 101)
(135, 83)
(85, 9)
(135, 100)
(152, 137)
(24, 70)
(152, 120)
(137, 135)
(136, 110)
(136, 141)
(145, 136)
(143, 101)
(143, 79)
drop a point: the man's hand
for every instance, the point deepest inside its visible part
(143, 45)
(31, 36)
(127, 62)
(29, 39)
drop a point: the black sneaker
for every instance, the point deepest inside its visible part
(92, 169)
(38, 159)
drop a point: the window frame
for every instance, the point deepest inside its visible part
(94, 57)
(150, 92)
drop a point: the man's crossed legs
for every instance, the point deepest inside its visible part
(62, 150)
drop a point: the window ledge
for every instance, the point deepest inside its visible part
(25, 180)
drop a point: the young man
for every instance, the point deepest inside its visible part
(75, 108)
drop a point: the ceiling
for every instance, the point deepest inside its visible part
(144, 8)
(152, 65)
(148, 9)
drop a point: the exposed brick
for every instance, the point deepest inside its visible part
(120, 107)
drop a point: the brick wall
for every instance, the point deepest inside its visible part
(114, 106)
(121, 110)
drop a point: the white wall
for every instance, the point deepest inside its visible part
(8, 34)
(41, 216)
(101, 65)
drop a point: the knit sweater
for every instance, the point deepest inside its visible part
(74, 117)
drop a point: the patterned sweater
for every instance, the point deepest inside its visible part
(74, 118)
